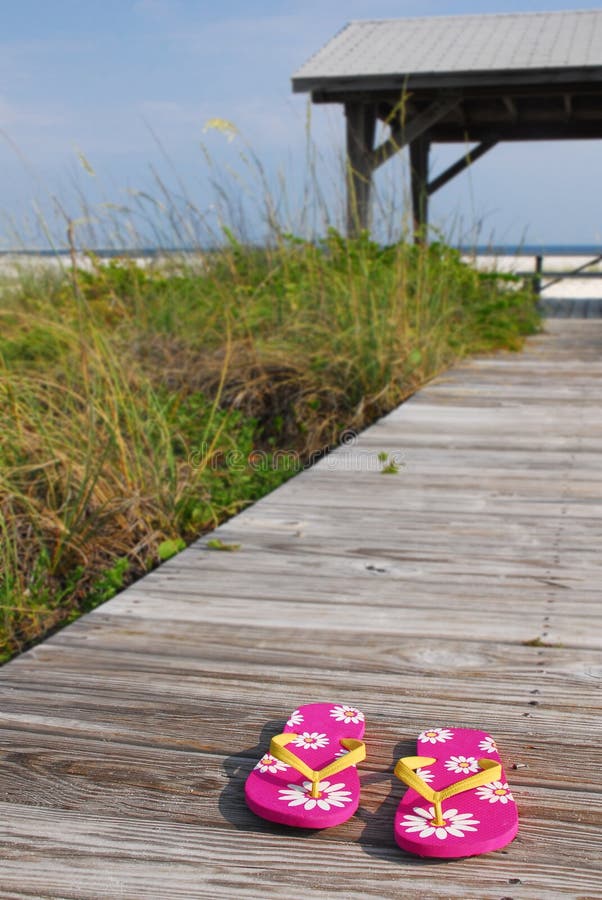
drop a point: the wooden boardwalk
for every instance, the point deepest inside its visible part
(572, 308)
(464, 590)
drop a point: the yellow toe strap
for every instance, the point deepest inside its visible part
(404, 770)
(278, 748)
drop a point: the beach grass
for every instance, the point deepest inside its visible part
(142, 405)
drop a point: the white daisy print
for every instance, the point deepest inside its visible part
(488, 745)
(340, 753)
(269, 763)
(425, 774)
(462, 765)
(496, 792)
(423, 823)
(328, 795)
(311, 741)
(435, 736)
(295, 719)
(347, 714)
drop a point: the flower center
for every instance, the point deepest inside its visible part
(464, 765)
(500, 792)
(435, 824)
(431, 734)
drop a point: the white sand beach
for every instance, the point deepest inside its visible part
(13, 264)
(567, 288)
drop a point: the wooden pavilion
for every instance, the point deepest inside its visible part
(477, 79)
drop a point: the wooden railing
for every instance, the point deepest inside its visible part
(538, 274)
(557, 276)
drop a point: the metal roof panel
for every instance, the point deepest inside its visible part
(453, 44)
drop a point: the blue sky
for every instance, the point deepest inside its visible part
(131, 83)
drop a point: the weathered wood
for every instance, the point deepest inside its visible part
(463, 163)
(93, 856)
(363, 159)
(462, 591)
(419, 173)
(404, 133)
(130, 711)
(510, 106)
(192, 787)
(361, 124)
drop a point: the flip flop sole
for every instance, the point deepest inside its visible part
(476, 821)
(277, 792)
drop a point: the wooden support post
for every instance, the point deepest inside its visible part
(419, 164)
(361, 124)
(537, 276)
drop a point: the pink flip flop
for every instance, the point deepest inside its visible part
(467, 767)
(297, 786)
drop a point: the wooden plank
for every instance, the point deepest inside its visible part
(550, 624)
(119, 861)
(300, 614)
(448, 502)
(390, 585)
(282, 645)
(182, 784)
(165, 706)
(188, 788)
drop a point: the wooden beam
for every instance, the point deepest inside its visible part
(361, 124)
(568, 106)
(459, 115)
(535, 111)
(587, 113)
(511, 107)
(505, 82)
(470, 93)
(419, 162)
(446, 133)
(404, 133)
(388, 148)
(459, 166)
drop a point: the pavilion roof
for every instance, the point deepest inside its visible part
(457, 51)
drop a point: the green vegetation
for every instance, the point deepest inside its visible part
(391, 465)
(217, 544)
(139, 407)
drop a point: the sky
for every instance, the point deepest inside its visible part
(102, 104)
